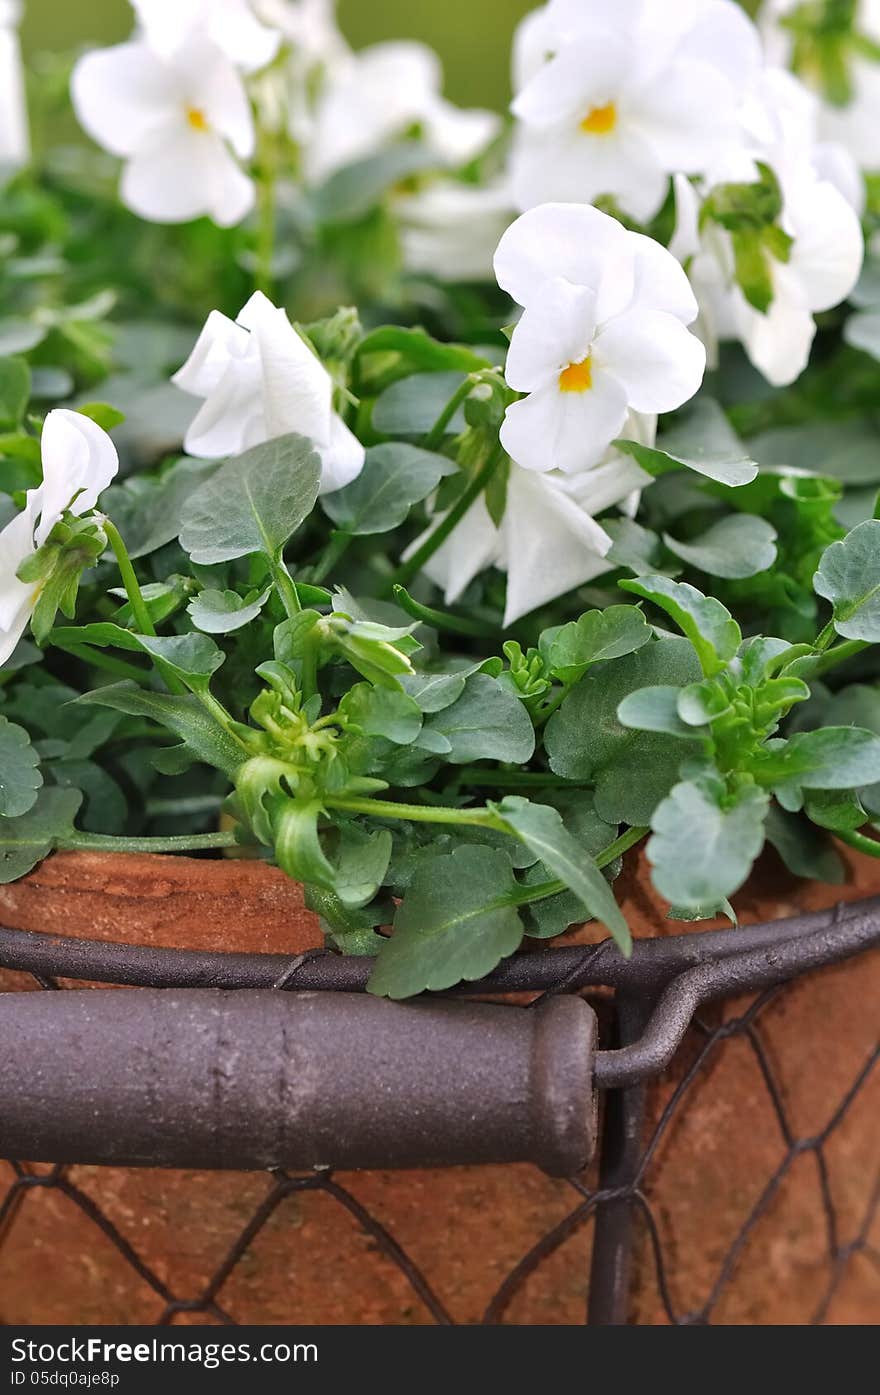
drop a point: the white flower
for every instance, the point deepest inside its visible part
(823, 267)
(602, 334)
(309, 26)
(260, 380)
(169, 26)
(450, 230)
(79, 461)
(14, 137)
(613, 99)
(179, 125)
(548, 542)
(286, 94)
(379, 95)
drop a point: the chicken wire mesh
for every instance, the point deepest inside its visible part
(749, 1167)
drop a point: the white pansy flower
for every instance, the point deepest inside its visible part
(823, 266)
(14, 137)
(612, 100)
(451, 230)
(286, 94)
(79, 461)
(548, 542)
(232, 26)
(180, 124)
(379, 95)
(603, 333)
(259, 379)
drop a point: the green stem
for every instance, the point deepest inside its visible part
(827, 637)
(285, 587)
(138, 604)
(309, 669)
(266, 182)
(838, 655)
(434, 438)
(423, 554)
(336, 548)
(129, 580)
(186, 842)
(515, 780)
(860, 842)
(552, 705)
(95, 658)
(440, 619)
(418, 813)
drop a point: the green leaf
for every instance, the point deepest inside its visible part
(849, 577)
(805, 851)
(385, 712)
(419, 352)
(485, 723)
(862, 331)
(254, 503)
(395, 476)
(703, 703)
(411, 406)
(595, 638)
(655, 709)
(705, 842)
(15, 391)
(191, 656)
(353, 191)
(185, 716)
(544, 833)
(704, 441)
(362, 860)
(298, 850)
(223, 612)
(585, 740)
(147, 510)
(454, 923)
(20, 776)
(708, 624)
(102, 414)
(434, 691)
(842, 450)
(734, 548)
(834, 758)
(26, 840)
(635, 547)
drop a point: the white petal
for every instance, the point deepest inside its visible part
(582, 75)
(220, 341)
(606, 485)
(231, 24)
(16, 598)
(686, 115)
(188, 176)
(342, 459)
(559, 239)
(470, 549)
(296, 388)
(829, 246)
(779, 342)
(79, 461)
(232, 418)
(551, 545)
(124, 95)
(457, 136)
(550, 335)
(554, 430)
(660, 282)
(685, 242)
(659, 363)
(14, 136)
(215, 89)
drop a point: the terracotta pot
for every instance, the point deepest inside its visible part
(126, 1246)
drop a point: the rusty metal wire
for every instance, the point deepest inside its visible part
(626, 1206)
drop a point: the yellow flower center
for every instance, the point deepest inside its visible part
(197, 119)
(577, 377)
(601, 121)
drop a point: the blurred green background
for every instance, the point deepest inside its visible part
(472, 36)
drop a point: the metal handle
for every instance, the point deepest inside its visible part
(208, 1078)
